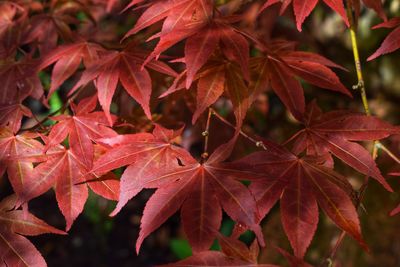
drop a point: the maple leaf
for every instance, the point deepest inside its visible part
(182, 19)
(233, 253)
(68, 58)
(278, 68)
(395, 211)
(236, 249)
(334, 131)
(17, 152)
(11, 114)
(9, 13)
(193, 20)
(19, 80)
(65, 171)
(200, 189)
(45, 30)
(373, 4)
(293, 260)
(216, 78)
(16, 250)
(301, 184)
(303, 8)
(200, 46)
(82, 128)
(124, 66)
(214, 258)
(392, 41)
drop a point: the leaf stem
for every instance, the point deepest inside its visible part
(206, 134)
(379, 145)
(359, 86)
(251, 139)
(62, 109)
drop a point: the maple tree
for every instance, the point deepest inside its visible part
(136, 99)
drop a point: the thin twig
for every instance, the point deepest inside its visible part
(390, 153)
(359, 86)
(206, 135)
(258, 143)
(61, 110)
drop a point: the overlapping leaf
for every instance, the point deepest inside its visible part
(303, 8)
(17, 152)
(126, 67)
(214, 258)
(215, 79)
(82, 128)
(279, 67)
(334, 132)
(182, 19)
(65, 171)
(301, 184)
(195, 21)
(392, 41)
(15, 249)
(68, 59)
(200, 190)
(11, 114)
(19, 80)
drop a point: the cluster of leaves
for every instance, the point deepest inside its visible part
(87, 142)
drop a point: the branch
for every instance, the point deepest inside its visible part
(251, 139)
(379, 145)
(206, 134)
(62, 109)
(359, 86)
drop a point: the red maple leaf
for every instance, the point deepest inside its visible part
(124, 66)
(201, 190)
(11, 114)
(303, 8)
(213, 80)
(214, 259)
(301, 184)
(68, 58)
(19, 80)
(82, 128)
(65, 171)
(15, 249)
(392, 41)
(194, 21)
(279, 67)
(334, 132)
(17, 152)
